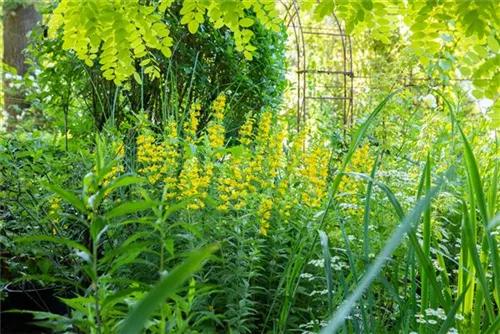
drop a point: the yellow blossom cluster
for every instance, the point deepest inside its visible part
(215, 132)
(314, 173)
(194, 182)
(264, 214)
(268, 176)
(158, 160)
(268, 152)
(54, 208)
(112, 175)
(191, 125)
(235, 184)
(246, 131)
(215, 128)
(219, 106)
(151, 156)
(361, 162)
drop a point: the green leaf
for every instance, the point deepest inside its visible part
(481, 50)
(368, 4)
(193, 26)
(135, 320)
(445, 64)
(493, 44)
(248, 55)
(56, 240)
(89, 62)
(328, 268)
(246, 22)
(338, 318)
(130, 207)
(122, 181)
(68, 197)
(145, 62)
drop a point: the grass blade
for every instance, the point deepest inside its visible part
(450, 317)
(328, 268)
(345, 309)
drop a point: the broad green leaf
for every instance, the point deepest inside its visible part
(135, 320)
(246, 22)
(193, 26)
(493, 44)
(68, 197)
(129, 207)
(56, 240)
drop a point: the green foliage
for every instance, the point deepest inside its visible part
(454, 35)
(119, 33)
(113, 192)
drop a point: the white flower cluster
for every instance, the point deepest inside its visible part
(311, 324)
(307, 276)
(336, 263)
(438, 313)
(321, 292)
(4, 116)
(347, 206)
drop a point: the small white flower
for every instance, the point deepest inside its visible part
(430, 311)
(430, 101)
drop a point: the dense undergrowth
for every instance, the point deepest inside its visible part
(108, 221)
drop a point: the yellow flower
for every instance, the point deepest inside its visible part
(216, 134)
(159, 161)
(264, 214)
(55, 207)
(246, 131)
(191, 126)
(218, 106)
(193, 183)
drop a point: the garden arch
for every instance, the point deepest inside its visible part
(328, 80)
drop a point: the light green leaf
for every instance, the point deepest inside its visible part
(68, 197)
(246, 22)
(193, 26)
(130, 207)
(137, 78)
(493, 44)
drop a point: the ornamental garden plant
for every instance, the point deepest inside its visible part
(155, 177)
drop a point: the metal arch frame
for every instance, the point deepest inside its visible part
(293, 18)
